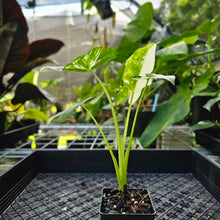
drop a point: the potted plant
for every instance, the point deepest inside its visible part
(17, 58)
(137, 76)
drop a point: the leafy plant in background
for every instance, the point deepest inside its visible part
(176, 14)
(137, 76)
(194, 72)
(31, 90)
(193, 68)
(17, 58)
(28, 101)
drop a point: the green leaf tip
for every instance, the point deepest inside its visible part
(169, 78)
(57, 68)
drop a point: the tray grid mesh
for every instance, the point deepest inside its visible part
(85, 137)
(77, 196)
(88, 136)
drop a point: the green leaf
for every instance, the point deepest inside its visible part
(31, 77)
(169, 78)
(95, 58)
(68, 114)
(57, 68)
(35, 114)
(28, 91)
(178, 48)
(202, 125)
(106, 56)
(207, 93)
(84, 90)
(209, 26)
(135, 31)
(169, 112)
(200, 54)
(211, 102)
(202, 82)
(140, 63)
(94, 105)
(176, 108)
(54, 82)
(191, 36)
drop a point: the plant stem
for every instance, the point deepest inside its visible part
(132, 130)
(209, 46)
(119, 145)
(106, 141)
(112, 107)
(124, 143)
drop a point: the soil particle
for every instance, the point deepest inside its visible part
(129, 201)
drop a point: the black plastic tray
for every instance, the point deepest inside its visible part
(10, 138)
(52, 184)
(209, 141)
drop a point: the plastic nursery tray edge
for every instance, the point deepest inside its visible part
(17, 178)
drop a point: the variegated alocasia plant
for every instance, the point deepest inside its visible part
(137, 76)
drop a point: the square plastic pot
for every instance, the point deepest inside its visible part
(143, 119)
(126, 216)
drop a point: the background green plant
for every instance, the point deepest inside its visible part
(29, 101)
(186, 15)
(194, 72)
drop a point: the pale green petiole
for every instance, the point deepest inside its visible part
(119, 170)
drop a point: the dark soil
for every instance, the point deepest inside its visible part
(129, 201)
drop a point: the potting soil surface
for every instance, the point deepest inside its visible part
(78, 195)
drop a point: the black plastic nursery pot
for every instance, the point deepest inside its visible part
(67, 184)
(143, 119)
(199, 113)
(108, 193)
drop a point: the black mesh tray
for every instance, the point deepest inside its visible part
(52, 184)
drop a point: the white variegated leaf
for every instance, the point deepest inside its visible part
(147, 67)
